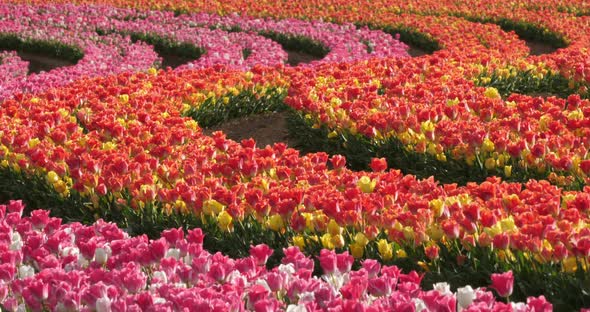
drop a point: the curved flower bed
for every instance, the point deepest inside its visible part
(124, 149)
(343, 42)
(112, 54)
(49, 265)
(433, 110)
(12, 67)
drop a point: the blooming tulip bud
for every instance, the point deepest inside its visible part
(432, 252)
(101, 255)
(334, 228)
(224, 220)
(357, 250)
(103, 304)
(366, 184)
(503, 283)
(276, 223)
(299, 241)
(25, 271)
(327, 241)
(443, 288)
(261, 253)
(385, 249)
(361, 239)
(492, 93)
(378, 164)
(465, 296)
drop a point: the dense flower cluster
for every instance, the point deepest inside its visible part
(101, 56)
(11, 67)
(113, 53)
(125, 140)
(47, 265)
(125, 135)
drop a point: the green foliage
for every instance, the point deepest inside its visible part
(297, 43)
(525, 82)
(359, 150)
(70, 53)
(408, 35)
(214, 111)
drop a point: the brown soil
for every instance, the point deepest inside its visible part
(415, 51)
(540, 48)
(296, 57)
(265, 129)
(40, 62)
(173, 60)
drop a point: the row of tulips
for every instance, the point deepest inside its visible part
(343, 42)
(432, 107)
(11, 66)
(122, 143)
(47, 265)
(563, 156)
(95, 56)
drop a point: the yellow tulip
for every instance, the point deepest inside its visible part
(385, 249)
(334, 228)
(366, 184)
(299, 241)
(357, 250)
(327, 241)
(276, 223)
(224, 220)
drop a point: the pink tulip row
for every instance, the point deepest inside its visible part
(345, 42)
(221, 47)
(47, 265)
(12, 67)
(102, 55)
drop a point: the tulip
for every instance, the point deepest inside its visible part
(261, 253)
(225, 221)
(503, 283)
(385, 249)
(465, 296)
(366, 184)
(378, 164)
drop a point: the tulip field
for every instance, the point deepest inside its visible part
(453, 179)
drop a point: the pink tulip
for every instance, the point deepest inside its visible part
(328, 261)
(503, 283)
(261, 253)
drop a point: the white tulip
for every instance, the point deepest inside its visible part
(443, 288)
(16, 241)
(465, 296)
(306, 297)
(101, 255)
(161, 276)
(26, 271)
(296, 308)
(173, 253)
(103, 304)
(518, 306)
(420, 305)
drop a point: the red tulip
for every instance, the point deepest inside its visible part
(378, 164)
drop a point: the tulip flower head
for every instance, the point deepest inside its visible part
(503, 283)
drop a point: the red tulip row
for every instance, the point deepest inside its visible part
(125, 135)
